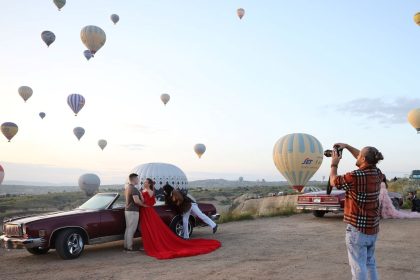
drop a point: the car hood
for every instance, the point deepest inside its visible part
(324, 193)
(33, 218)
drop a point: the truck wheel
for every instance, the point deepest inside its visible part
(178, 228)
(69, 244)
(38, 251)
(318, 213)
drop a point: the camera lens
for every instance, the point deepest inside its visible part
(328, 153)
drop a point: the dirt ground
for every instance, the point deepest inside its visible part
(296, 247)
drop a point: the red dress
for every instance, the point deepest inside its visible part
(161, 242)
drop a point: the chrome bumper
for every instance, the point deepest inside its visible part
(215, 217)
(328, 208)
(20, 243)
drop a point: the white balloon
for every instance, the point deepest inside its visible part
(199, 149)
(89, 183)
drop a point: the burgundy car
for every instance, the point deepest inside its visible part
(321, 203)
(99, 220)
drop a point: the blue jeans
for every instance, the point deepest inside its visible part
(361, 252)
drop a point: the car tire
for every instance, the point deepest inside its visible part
(38, 251)
(69, 244)
(178, 228)
(319, 214)
(396, 203)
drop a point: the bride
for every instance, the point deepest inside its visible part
(388, 210)
(159, 241)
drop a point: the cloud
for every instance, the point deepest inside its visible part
(133, 147)
(393, 112)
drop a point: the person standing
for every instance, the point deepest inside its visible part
(133, 201)
(415, 202)
(361, 208)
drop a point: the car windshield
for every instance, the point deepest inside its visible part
(99, 201)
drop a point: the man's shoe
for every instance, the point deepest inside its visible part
(215, 229)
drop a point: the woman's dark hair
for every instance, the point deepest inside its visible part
(151, 183)
(373, 156)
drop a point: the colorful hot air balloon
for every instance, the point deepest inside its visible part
(115, 18)
(1, 174)
(414, 119)
(417, 18)
(102, 144)
(89, 183)
(93, 38)
(79, 132)
(42, 115)
(76, 102)
(199, 149)
(60, 4)
(48, 37)
(298, 156)
(9, 130)
(25, 92)
(240, 12)
(165, 98)
(88, 55)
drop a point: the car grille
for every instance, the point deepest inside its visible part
(12, 230)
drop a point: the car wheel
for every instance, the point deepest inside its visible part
(69, 244)
(396, 204)
(318, 214)
(38, 251)
(178, 228)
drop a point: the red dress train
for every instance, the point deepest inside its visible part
(161, 242)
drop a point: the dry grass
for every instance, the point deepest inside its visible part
(250, 215)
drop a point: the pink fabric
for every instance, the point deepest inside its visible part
(388, 210)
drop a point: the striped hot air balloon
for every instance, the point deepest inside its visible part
(76, 102)
(79, 132)
(48, 37)
(93, 37)
(9, 130)
(298, 156)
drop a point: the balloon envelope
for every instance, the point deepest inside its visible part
(79, 132)
(417, 18)
(9, 130)
(42, 115)
(165, 98)
(102, 144)
(48, 37)
(240, 12)
(60, 4)
(298, 156)
(115, 18)
(93, 37)
(162, 173)
(76, 102)
(1, 174)
(199, 149)
(414, 119)
(88, 55)
(89, 183)
(25, 92)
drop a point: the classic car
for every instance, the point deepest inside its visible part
(321, 203)
(100, 219)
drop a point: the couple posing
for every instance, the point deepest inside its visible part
(158, 240)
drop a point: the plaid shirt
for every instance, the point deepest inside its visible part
(361, 208)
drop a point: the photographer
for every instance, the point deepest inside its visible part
(361, 209)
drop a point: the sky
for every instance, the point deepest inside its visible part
(338, 70)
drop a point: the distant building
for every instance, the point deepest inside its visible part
(415, 175)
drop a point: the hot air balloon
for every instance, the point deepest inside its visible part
(162, 173)
(93, 38)
(1, 174)
(9, 130)
(89, 183)
(417, 18)
(60, 4)
(76, 102)
(414, 119)
(87, 54)
(240, 12)
(42, 115)
(115, 18)
(199, 149)
(102, 144)
(165, 98)
(79, 132)
(298, 156)
(25, 92)
(48, 37)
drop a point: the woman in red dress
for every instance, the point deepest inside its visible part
(159, 241)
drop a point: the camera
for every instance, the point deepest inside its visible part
(328, 153)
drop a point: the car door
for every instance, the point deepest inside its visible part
(112, 222)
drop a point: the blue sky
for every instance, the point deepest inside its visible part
(341, 71)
